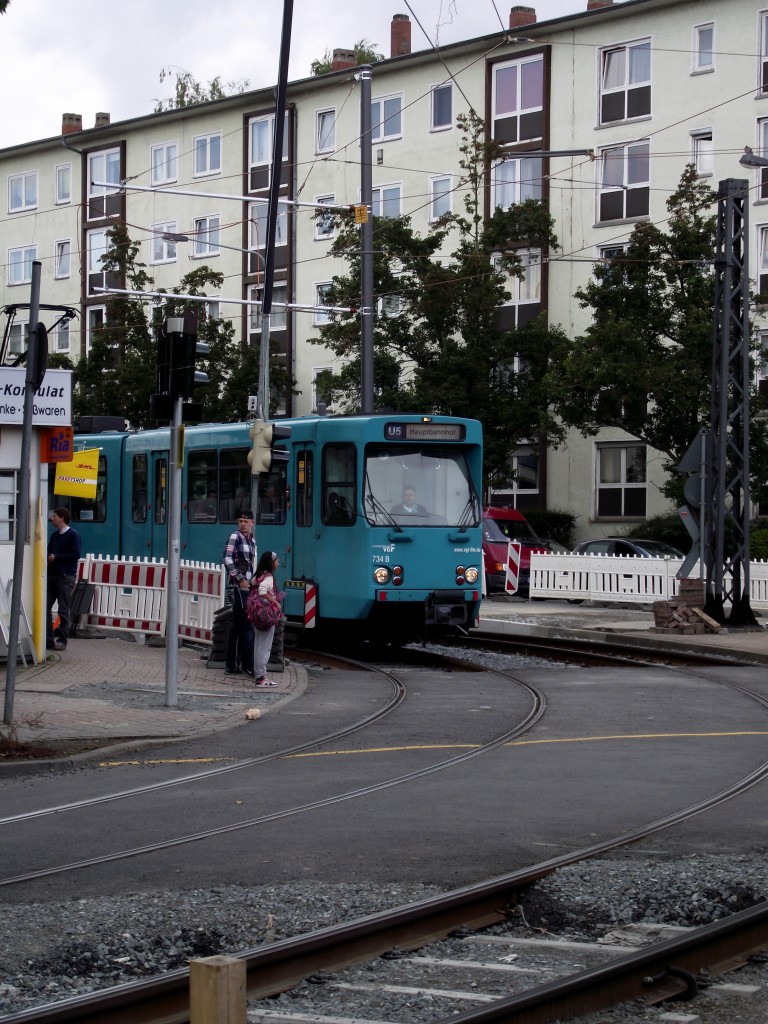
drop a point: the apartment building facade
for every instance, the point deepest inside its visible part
(628, 93)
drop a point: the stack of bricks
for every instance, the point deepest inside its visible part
(684, 613)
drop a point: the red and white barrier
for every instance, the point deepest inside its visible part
(310, 606)
(512, 577)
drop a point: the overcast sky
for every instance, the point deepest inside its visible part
(83, 56)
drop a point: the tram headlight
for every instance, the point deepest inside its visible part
(471, 574)
(381, 575)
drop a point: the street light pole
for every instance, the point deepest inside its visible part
(366, 244)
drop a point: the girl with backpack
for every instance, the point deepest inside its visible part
(265, 586)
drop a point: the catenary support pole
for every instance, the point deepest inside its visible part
(175, 329)
(366, 244)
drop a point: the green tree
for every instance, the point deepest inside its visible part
(364, 54)
(438, 344)
(187, 90)
(4, 5)
(645, 362)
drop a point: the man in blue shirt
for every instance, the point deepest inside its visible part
(63, 556)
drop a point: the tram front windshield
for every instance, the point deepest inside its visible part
(419, 486)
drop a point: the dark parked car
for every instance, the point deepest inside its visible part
(628, 546)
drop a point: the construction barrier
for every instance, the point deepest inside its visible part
(512, 575)
(130, 595)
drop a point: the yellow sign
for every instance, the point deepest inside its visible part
(361, 215)
(78, 477)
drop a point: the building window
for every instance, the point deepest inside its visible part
(97, 245)
(521, 489)
(18, 338)
(22, 192)
(103, 199)
(524, 302)
(261, 145)
(703, 152)
(207, 154)
(7, 505)
(257, 225)
(441, 107)
(440, 189)
(206, 232)
(762, 143)
(163, 161)
(64, 183)
(386, 118)
(386, 201)
(518, 100)
(763, 67)
(621, 481)
(324, 222)
(318, 394)
(625, 83)
(515, 180)
(163, 250)
(325, 131)
(96, 319)
(389, 305)
(62, 259)
(625, 182)
(20, 264)
(62, 336)
(322, 316)
(704, 47)
(762, 263)
(278, 317)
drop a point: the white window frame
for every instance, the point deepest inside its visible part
(762, 259)
(163, 251)
(205, 160)
(703, 152)
(91, 326)
(316, 371)
(20, 260)
(111, 166)
(516, 179)
(18, 338)
(380, 201)
(627, 83)
(516, 71)
(62, 259)
(626, 186)
(257, 225)
(443, 88)
(440, 196)
(321, 234)
(320, 316)
(762, 61)
(164, 163)
(525, 290)
(278, 318)
(512, 490)
(206, 232)
(62, 342)
(95, 251)
(762, 150)
(265, 126)
(63, 184)
(325, 130)
(625, 485)
(27, 184)
(702, 55)
(383, 128)
(8, 505)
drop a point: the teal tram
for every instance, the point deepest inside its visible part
(375, 519)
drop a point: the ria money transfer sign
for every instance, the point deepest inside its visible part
(52, 405)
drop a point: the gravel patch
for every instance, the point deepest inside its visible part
(52, 950)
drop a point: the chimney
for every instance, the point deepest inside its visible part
(520, 16)
(595, 5)
(343, 59)
(400, 35)
(71, 123)
(102, 119)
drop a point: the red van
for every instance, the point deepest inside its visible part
(501, 525)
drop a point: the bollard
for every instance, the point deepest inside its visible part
(217, 990)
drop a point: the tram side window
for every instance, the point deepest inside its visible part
(161, 492)
(339, 484)
(92, 510)
(139, 489)
(234, 483)
(304, 488)
(270, 507)
(202, 492)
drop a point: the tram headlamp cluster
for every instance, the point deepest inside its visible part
(382, 574)
(471, 574)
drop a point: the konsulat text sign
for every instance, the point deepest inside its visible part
(52, 406)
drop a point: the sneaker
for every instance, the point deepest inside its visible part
(249, 672)
(231, 671)
(265, 682)
(60, 645)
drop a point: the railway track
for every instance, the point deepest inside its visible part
(383, 938)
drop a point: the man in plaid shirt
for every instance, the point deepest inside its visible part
(239, 560)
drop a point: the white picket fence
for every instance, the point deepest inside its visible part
(621, 578)
(129, 594)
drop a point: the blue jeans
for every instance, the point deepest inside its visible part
(240, 645)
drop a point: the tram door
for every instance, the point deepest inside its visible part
(304, 534)
(160, 484)
(146, 529)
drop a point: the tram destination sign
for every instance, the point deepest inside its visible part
(424, 431)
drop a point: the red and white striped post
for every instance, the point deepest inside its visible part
(512, 575)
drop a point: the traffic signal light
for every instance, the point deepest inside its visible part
(263, 455)
(177, 351)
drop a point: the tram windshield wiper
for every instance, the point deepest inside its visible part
(470, 516)
(378, 509)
